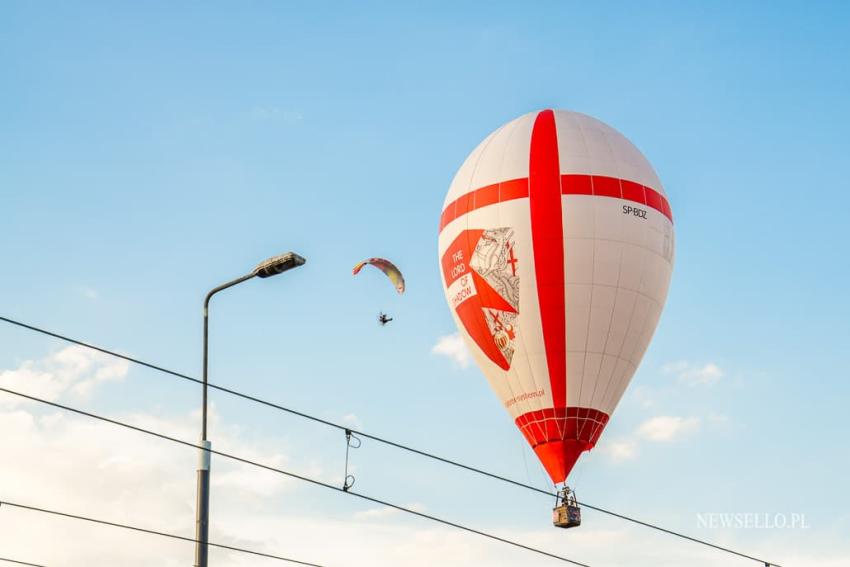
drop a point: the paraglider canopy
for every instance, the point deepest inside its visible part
(391, 271)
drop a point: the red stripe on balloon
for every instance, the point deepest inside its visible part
(547, 235)
(571, 184)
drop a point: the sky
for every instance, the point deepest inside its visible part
(149, 152)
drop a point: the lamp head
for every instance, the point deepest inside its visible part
(278, 264)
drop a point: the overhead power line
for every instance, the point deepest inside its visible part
(147, 531)
(285, 473)
(16, 562)
(388, 442)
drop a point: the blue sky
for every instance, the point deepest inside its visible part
(150, 152)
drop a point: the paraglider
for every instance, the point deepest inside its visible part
(393, 273)
(556, 249)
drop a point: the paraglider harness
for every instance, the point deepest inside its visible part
(566, 513)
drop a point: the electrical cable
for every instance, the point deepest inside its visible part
(152, 532)
(378, 439)
(16, 562)
(291, 475)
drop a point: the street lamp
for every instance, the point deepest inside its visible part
(265, 269)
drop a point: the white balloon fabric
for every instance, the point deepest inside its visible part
(556, 249)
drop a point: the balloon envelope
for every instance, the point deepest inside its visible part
(556, 249)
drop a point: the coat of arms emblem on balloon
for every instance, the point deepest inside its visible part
(480, 268)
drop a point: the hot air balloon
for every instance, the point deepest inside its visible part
(556, 248)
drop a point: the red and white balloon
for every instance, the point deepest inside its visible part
(556, 248)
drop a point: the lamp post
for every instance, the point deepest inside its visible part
(271, 267)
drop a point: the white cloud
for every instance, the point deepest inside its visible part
(694, 374)
(619, 450)
(643, 396)
(385, 512)
(352, 421)
(661, 428)
(453, 347)
(74, 369)
(70, 463)
(719, 421)
(88, 292)
(675, 367)
(667, 428)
